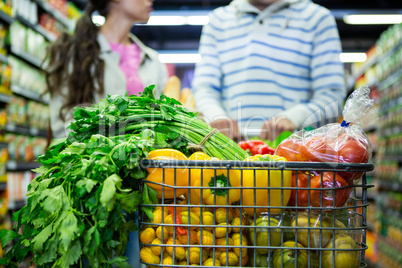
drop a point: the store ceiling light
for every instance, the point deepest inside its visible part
(373, 19)
(179, 57)
(353, 57)
(164, 20)
(177, 20)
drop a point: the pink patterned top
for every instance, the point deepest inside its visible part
(130, 58)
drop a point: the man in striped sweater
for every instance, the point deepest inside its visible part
(269, 66)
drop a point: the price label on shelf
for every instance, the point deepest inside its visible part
(11, 127)
(34, 131)
(11, 165)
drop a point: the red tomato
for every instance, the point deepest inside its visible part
(317, 149)
(351, 150)
(289, 149)
(264, 149)
(302, 195)
(317, 190)
(244, 145)
(340, 195)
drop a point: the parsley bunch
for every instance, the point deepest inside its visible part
(82, 204)
(119, 115)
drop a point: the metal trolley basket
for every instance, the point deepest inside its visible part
(255, 226)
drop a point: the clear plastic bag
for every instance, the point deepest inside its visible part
(338, 143)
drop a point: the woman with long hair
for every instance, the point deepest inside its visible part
(96, 61)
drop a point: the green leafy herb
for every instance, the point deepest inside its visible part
(81, 205)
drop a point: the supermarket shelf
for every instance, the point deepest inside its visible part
(16, 205)
(28, 94)
(388, 186)
(370, 196)
(5, 17)
(54, 12)
(391, 157)
(376, 59)
(21, 166)
(374, 83)
(5, 98)
(394, 244)
(3, 145)
(3, 186)
(371, 128)
(391, 131)
(39, 29)
(3, 58)
(390, 79)
(370, 263)
(26, 57)
(26, 130)
(370, 227)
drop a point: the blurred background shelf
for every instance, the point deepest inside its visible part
(21, 166)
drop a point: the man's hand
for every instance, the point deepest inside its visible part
(275, 126)
(228, 127)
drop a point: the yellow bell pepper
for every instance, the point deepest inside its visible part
(208, 178)
(156, 174)
(261, 180)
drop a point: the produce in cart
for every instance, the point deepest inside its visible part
(265, 178)
(338, 143)
(82, 204)
(227, 245)
(121, 156)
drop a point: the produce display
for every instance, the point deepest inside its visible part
(17, 113)
(203, 199)
(27, 40)
(26, 77)
(5, 78)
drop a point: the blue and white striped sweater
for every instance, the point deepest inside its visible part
(281, 61)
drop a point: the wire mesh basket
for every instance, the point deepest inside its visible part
(256, 214)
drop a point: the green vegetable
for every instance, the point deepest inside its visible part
(79, 204)
(82, 204)
(117, 115)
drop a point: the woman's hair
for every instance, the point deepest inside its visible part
(74, 60)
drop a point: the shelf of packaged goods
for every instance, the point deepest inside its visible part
(370, 227)
(371, 196)
(385, 240)
(29, 94)
(5, 17)
(377, 59)
(3, 145)
(26, 57)
(39, 29)
(3, 58)
(391, 131)
(371, 128)
(390, 79)
(374, 83)
(5, 98)
(3, 186)
(54, 12)
(16, 205)
(21, 166)
(26, 130)
(390, 186)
